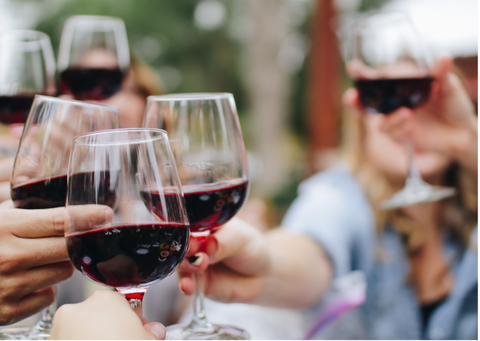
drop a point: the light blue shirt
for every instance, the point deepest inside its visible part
(333, 210)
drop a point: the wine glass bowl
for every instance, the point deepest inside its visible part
(27, 67)
(391, 68)
(132, 247)
(94, 56)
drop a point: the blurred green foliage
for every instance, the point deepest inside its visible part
(200, 60)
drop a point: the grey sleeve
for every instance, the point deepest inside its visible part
(341, 222)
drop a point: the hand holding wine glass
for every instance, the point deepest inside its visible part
(393, 72)
(208, 146)
(105, 315)
(39, 177)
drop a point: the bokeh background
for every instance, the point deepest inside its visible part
(280, 58)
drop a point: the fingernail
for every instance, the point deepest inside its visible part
(158, 330)
(196, 259)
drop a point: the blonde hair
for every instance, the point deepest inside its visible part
(459, 214)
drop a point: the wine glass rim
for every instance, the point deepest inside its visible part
(194, 96)
(97, 18)
(161, 134)
(32, 36)
(396, 14)
(75, 102)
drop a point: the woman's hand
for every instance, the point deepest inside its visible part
(34, 257)
(104, 315)
(277, 268)
(446, 124)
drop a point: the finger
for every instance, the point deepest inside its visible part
(186, 285)
(195, 263)
(35, 223)
(85, 217)
(351, 101)
(7, 204)
(36, 279)
(27, 306)
(241, 247)
(193, 247)
(395, 120)
(23, 253)
(223, 284)
(6, 166)
(157, 330)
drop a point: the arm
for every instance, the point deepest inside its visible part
(278, 268)
(106, 315)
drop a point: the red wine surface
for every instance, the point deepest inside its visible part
(41, 193)
(87, 188)
(91, 83)
(15, 109)
(208, 206)
(387, 95)
(129, 255)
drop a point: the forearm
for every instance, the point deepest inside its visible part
(299, 273)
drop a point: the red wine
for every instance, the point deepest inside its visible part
(387, 95)
(208, 207)
(129, 255)
(91, 83)
(41, 193)
(87, 188)
(15, 109)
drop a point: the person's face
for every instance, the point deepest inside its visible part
(391, 157)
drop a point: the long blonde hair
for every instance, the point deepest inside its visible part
(459, 214)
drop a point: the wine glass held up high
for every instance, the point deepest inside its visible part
(27, 68)
(94, 57)
(391, 68)
(133, 246)
(39, 177)
(207, 142)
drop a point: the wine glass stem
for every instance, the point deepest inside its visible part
(200, 320)
(414, 177)
(43, 327)
(135, 296)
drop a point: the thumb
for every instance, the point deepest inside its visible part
(157, 330)
(440, 72)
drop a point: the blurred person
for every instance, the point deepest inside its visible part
(420, 261)
(105, 315)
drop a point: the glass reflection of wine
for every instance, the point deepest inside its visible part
(93, 57)
(387, 95)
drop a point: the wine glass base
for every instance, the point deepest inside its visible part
(416, 194)
(219, 332)
(15, 333)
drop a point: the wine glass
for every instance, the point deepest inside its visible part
(93, 57)
(27, 67)
(39, 177)
(392, 69)
(207, 142)
(144, 235)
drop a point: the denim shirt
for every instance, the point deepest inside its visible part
(333, 210)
